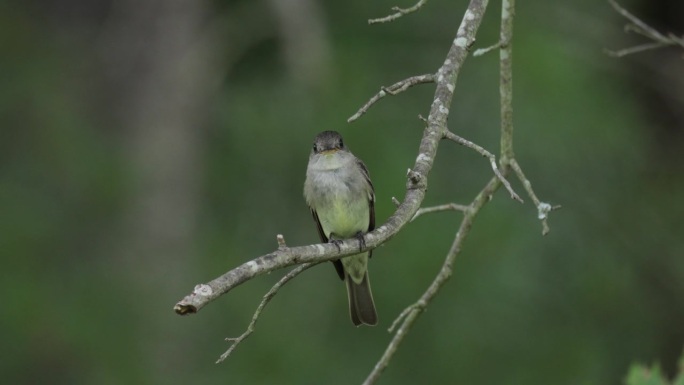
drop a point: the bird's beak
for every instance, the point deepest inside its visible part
(329, 152)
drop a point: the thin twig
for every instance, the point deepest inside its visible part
(399, 13)
(506, 92)
(492, 160)
(640, 27)
(445, 207)
(647, 29)
(418, 306)
(394, 89)
(267, 298)
(635, 49)
(482, 51)
(543, 208)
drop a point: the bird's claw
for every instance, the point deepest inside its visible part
(337, 243)
(362, 240)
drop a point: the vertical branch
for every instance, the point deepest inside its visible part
(436, 128)
(508, 160)
(506, 82)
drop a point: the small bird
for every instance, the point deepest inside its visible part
(341, 197)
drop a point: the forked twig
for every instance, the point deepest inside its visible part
(492, 160)
(394, 89)
(399, 12)
(235, 341)
(637, 25)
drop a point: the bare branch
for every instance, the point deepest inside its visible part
(416, 185)
(399, 13)
(445, 207)
(436, 129)
(640, 27)
(394, 89)
(506, 82)
(635, 49)
(543, 208)
(411, 313)
(267, 298)
(679, 40)
(506, 91)
(418, 306)
(492, 160)
(645, 28)
(482, 51)
(289, 256)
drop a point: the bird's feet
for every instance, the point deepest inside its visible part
(336, 242)
(362, 240)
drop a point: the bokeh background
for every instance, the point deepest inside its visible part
(147, 146)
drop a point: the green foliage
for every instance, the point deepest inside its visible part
(643, 375)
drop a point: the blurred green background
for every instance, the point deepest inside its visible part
(147, 146)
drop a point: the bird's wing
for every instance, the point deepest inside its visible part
(371, 195)
(371, 199)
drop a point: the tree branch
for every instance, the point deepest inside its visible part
(267, 298)
(635, 49)
(543, 208)
(399, 13)
(436, 129)
(492, 161)
(289, 256)
(434, 209)
(283, 257)
(394, 89)
(638, 26)
(485, 50)
(506, 90)
(412, 312)
(416, 185)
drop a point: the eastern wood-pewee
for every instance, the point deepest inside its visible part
(340, 194)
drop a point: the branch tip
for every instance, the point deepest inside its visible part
(482, 51)
(444, 207)
(281, 242)
(399, 12)
(235, 341)
(394, 89)
(492, 161)
(543, 208)
(638, 26)
(184, 309)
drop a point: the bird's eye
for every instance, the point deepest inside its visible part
(315, 148)
(341, 143)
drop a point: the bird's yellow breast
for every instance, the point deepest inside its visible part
(345, 217)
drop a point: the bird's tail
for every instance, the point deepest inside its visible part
(361, 306)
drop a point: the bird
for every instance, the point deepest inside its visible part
(340, 194)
